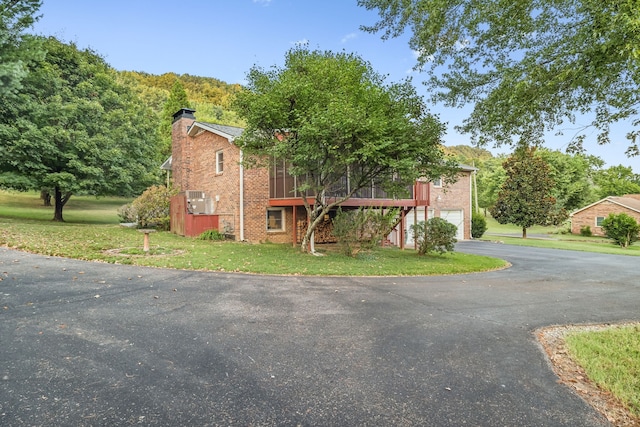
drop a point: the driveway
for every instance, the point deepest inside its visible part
(98, 344)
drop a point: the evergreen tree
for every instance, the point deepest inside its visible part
(525, 198)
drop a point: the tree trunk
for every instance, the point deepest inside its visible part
(46, 197)
(308, 242)
(524, 232)
(60, 200)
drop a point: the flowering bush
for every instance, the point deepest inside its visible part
(152, 207)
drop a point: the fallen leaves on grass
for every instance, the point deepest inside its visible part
(573, 375)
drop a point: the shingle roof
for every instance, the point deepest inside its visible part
(628, 202)
(631, 201)
(229, 132)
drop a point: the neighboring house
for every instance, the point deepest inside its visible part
(256, 204)
(592, 216)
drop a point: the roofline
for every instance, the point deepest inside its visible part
(167, 164)
(467, 168)
(609, 198)
(206, 126)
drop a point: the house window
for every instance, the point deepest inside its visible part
(275, 219)
(599, 220)
(437, 182)
(219, 161)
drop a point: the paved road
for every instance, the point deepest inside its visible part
(102, 345)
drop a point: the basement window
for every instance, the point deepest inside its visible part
(219, 161)
(275, 219)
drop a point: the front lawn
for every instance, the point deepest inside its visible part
(554, 238)
(116, 244)
(92, 233)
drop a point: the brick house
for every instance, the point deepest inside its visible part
(255, 204)
(593, 215)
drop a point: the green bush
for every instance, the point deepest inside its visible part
(621, 228)
(211, 235)
(127, 213)
(585, 231)
(362, 229)
(434, 235)
(152, 207)
(478, 225)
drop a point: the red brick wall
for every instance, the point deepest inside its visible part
(180, 153)
(454, 196)
(194, 168)
(588, 216)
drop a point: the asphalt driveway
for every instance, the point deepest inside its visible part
(96, 344)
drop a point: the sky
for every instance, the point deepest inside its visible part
(223, 39)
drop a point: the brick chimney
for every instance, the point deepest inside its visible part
(181, 147)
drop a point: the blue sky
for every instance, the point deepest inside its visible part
(225, 38)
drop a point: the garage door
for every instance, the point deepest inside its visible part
(409, 221)
(455, 217)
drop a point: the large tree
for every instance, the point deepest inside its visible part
(616, 181)
(572, 175)
(74, 128)
(334, 121)
(527, 65)
(17, 48)
(490, 177)
(525, 197)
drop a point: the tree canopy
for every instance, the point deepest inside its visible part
(616, 181)
(75, 128)
(528, 66)
(337, 125)
(572, 176)
(17, 49)
(525, 197)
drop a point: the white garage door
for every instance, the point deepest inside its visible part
(409, 221)
(455, 217)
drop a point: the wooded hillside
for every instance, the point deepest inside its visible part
(207, 95)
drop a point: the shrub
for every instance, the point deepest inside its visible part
(211, 235)
(585, 231)
(621, 228)
(362, 229)
(152, 207)
(434, 235)
(127, 213)
(478, 225)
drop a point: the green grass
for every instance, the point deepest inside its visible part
(91, 232)
(79, 209)
(554, 238)
(611, 359)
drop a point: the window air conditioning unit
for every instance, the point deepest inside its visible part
(198, 203)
